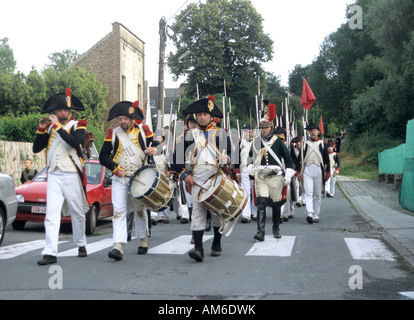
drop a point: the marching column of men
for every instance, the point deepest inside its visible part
(265, 168)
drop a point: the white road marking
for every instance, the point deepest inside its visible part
(179, 245)
(273, 247)
(16, 250)
(369, 249)
(90, 248)
(409, 294)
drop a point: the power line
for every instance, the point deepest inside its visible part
(177, 11)
(189, 11)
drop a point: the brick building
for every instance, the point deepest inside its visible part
(118, 62)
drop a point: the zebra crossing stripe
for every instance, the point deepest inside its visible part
(90, 248)
(16, 250)
(179, 245)
(369, 249)
(409, 294)
(360, 248)
(273, 247)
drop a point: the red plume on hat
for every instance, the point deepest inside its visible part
(135, 104)
(211, 98)
(272, 112)
(68, 94)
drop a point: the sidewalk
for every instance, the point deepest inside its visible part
(378, 204)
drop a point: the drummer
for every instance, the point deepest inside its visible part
(211, 148)
(272, 169)
(123, 164)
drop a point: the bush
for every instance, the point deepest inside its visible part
(21, 129)
(367, 145)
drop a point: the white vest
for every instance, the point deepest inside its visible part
(58, 155)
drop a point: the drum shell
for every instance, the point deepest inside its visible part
(227, 200)
(159, 195)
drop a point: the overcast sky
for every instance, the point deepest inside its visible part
(36, 29)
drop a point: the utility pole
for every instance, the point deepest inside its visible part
(161, 88)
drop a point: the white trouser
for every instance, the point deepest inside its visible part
(123, 203)
(330, 184)
(245, 184)
(179, 207)
(289, 207)
(199, 216)
(299, 197)
(253, 208)
(312, 182)
(63, 186)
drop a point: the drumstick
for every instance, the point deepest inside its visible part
(201, 187)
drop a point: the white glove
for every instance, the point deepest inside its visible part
(288, 176)
(250, 169)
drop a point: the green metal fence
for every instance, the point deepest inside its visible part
(400, 160)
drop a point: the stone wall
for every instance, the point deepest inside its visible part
(14, 154)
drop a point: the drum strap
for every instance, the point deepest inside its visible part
(135, 154)
(273, 154)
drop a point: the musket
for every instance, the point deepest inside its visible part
(257, 113)
(169, 132)
(301, 187)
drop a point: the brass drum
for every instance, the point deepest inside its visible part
(153, 189)
(225, 198)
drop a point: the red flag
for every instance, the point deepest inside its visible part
(308, 98)
(321, 126)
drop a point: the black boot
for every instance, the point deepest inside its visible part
(261, 218)
(276, 208)
(197, 253)
(216, 246)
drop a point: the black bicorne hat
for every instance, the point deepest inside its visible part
(280, 130)
(312, 125)
(126, 108)
(63, 100)
(204, 105)
(190, 117)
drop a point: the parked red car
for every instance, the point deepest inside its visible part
(32, 198)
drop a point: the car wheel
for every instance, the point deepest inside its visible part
(18, 224)
(2, 225)
(91, 217)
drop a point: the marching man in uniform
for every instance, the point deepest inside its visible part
(205, 162)
(314, 171)
(63, 137)
(242, 176)
(335, 165)
(126, 144)
(272, 169)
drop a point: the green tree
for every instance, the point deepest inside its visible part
(7, 62)
(63, 60)
(217, 41)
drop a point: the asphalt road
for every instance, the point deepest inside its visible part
(342, 258)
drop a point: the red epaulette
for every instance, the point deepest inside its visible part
(82, 124)
(147, 131)
(109, 135)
